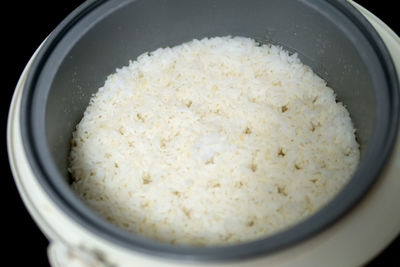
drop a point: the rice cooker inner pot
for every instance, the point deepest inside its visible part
(99, 36)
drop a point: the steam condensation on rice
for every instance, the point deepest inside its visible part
(215, 141)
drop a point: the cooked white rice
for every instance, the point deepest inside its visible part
(215, 141)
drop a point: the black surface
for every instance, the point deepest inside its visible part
(26, 245)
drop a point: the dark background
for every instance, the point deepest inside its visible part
(25, 25)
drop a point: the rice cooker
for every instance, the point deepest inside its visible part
(355, 52)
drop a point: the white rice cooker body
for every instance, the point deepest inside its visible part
(346, 243)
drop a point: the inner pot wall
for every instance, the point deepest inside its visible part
(100, 36)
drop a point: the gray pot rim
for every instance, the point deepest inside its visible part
(383, 139)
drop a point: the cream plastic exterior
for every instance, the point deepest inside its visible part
(352, 241)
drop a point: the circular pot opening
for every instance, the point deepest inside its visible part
(99, 36)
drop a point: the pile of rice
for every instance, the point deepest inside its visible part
(215, 141)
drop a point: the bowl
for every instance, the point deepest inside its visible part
(332, 37)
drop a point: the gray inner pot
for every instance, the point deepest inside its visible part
(99, 36)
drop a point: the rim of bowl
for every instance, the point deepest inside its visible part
(368, 171)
